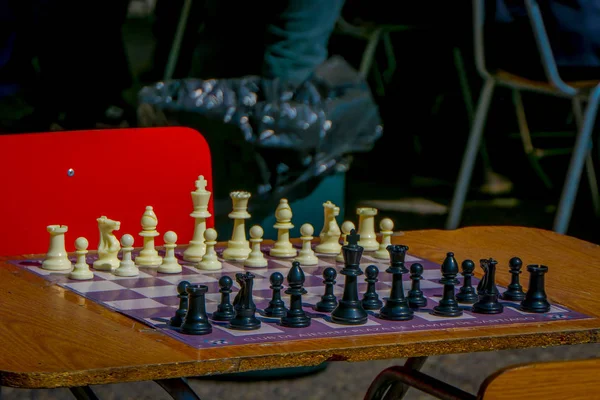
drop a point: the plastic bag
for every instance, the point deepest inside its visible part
(293, 134)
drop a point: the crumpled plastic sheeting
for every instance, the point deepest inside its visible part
(297, 134)
(331, 114)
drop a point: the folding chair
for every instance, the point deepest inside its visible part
(74, 177)
(578, 92)
(547, 380)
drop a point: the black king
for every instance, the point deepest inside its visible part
(350, 310)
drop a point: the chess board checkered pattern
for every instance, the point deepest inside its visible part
(151, 298)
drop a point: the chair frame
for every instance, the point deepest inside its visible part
(555, 86)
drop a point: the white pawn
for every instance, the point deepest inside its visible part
(387, 230)
(209, 261)
(56, 258)
(127, 267)
(170, 264)
(347, 227)
(81, 271)
(306, 256)
(256, 258)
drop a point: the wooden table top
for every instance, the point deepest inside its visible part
(51, 337)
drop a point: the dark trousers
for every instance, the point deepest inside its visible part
(274, 38)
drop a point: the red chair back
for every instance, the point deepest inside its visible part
(72, 178)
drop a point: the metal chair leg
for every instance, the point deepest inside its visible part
(580, 151)
(526, 139)
(178, 389)
(468, 162)
(589, 161)
(83, 393)
(399, 388)
(389, 381)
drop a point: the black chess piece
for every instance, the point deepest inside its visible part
(449, 264)
(482, 282)
(350, 310)
(243, 304)
(328, 301)
(295, 317)
(225, 311)
(177, 319)
(514, 291)
(416, 299)
(276, 306)
(371, 299)
(448, 306)
(196, 320)
(488, 298)
(467, 293)
(396, 306)
(535, 299)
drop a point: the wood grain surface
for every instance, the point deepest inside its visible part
(573, 380)
(51, 337)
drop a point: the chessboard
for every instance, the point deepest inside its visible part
(151, 297)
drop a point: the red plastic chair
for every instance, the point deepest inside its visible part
(72, 178)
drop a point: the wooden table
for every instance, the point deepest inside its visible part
(52, 337)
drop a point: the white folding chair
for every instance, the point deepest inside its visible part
(579, 92)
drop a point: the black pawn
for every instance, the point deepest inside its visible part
(514, 292)
(276, 306)
(370, 299)
(488, 298)
(448, 306)
(449, 264)
(535, 299)
(196, 320)
(396, 306)
(467, 293)
(295, 317)
(225, 311)
(177, 319)
(416, 299)
(328, 301)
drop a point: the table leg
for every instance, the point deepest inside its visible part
(178, 388)
(83, 393)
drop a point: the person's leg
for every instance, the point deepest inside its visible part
(297, 37)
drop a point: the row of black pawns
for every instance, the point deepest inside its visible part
(191, 317)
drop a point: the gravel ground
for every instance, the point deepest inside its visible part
(348, 381)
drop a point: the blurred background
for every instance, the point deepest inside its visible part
(59, 70)
(381, 118)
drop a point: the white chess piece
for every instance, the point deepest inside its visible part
(127, 267)
(200, 198)
(170, 264)
(238, 248)
(209, 261)
(306, 256)
(283, 247)
(81, 270)
(366, 228)
(347, 227)
(256, 259)
(330, 238)
(387, 230)
(56, 258)
(108, 248)
(148, 257)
